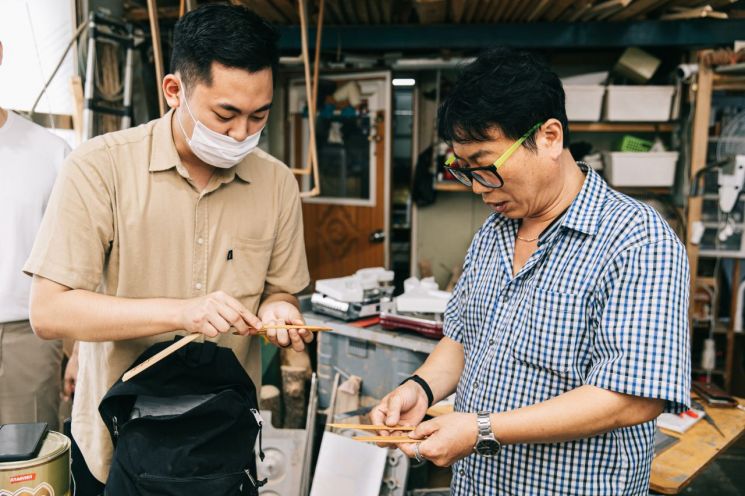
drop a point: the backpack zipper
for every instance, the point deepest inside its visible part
(260, 422)
(257, 416)
(256, 484)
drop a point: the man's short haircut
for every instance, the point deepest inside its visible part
(231, 35)
(503, 89)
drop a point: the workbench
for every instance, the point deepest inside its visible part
(675, 468)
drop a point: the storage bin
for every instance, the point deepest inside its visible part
(584, 102)
(639, 103)
(640, 169)
(381, 358)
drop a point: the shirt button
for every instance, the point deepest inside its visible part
(491, 342)
(462, 472)
(200, 241)
(198, 285)
(475, 384)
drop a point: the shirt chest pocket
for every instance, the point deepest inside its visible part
(550, 335)
(248, 265)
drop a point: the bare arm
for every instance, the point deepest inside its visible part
(580, 413)
(443, 368)
(577, 414)
(57, 311)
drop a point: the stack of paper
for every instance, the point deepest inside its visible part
(680, 423)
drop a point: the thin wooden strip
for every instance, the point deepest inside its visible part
(350, 12)
(387, 11)
(457, 9)
(603, 7)
(287, 9)
(373, 7)
(160, 356)
(262, 332)
(483, 8)
(491, 11)
(332, 16)
(498, 11)
(577, 11)
(558, 8)
(702, 12)
(509, 12)
(369, 427)
(538, 11)
(470, 12)
(266, 10)
(362, 10)
(338, 11)
(637, 8)
(526, 8)
(387, 439)
(609, 13)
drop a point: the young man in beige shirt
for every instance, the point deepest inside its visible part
(178, 225)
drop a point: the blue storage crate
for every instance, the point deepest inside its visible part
(381, 358)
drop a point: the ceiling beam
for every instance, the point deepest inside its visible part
(687, 33)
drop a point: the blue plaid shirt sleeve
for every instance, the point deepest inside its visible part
(641, 346)
(453, 320)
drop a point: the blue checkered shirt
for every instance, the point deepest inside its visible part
(603, 301)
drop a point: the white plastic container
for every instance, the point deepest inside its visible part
(639, 103)
(640, 169)
(584, 102)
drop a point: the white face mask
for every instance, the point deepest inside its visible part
(217, 149)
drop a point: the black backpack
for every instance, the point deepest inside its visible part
(186, 425)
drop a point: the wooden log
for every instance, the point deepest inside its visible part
(348, 398)
(271, 400)
(293, 395)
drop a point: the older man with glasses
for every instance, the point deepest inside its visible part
(567, 334)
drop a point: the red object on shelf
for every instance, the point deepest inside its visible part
(427, 328)
(368, 322)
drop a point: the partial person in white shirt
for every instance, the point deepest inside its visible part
(29, 367)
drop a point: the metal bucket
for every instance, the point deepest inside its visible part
(46, 475)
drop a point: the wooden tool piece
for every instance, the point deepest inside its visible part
(387, 439)
(369, 427)
(160, 355)
(192, 337)
(262, 331)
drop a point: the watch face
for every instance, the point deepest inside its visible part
(488, 447)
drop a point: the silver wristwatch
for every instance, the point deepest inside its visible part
(487, 444)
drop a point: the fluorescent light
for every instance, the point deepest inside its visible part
(404, 82)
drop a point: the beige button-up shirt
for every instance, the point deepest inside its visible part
(124, 219)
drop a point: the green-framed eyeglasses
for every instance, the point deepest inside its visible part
(488, 175)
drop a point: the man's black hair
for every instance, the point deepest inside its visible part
(231, 35)
(506, 89)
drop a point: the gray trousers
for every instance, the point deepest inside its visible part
(30, 376)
